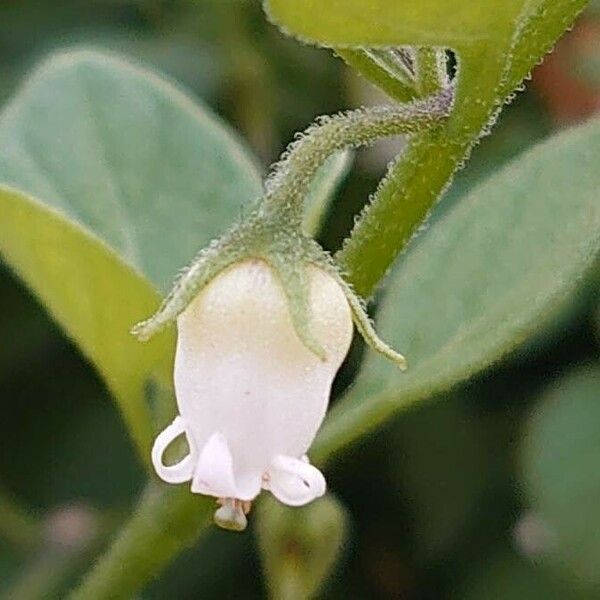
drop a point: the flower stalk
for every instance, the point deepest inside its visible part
(290, 178)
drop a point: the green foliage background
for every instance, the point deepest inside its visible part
(439, 500)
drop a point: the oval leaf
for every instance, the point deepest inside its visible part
(482, 278)
(92, 294)
(127, 155)
(394, 22)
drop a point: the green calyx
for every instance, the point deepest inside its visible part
(288, 252)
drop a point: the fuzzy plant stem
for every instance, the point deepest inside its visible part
(290, 179)
(487, 77)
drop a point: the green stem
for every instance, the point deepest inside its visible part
(430, 67)
(544, 26)
(166, 521)
(417, 179)
(290, 180)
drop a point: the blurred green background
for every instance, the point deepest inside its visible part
(489, 492)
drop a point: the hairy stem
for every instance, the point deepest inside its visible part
(290, 179)
(486, 79)
(430, 70)
(418, 178)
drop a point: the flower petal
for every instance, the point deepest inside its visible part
(241, 369)
(184, 469)
(214, 473)
(295, 482)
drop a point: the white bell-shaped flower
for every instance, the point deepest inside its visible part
(251, 396)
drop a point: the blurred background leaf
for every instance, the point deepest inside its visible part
(300, 547)
(92, 294)
(323, 189)
(560, 465)
(128, 156)
(508, 577)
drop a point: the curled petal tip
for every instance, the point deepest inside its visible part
(295, 482)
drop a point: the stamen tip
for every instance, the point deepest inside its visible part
(230, 515)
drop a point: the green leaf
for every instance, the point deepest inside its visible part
(394, 22)
(124, 178)
(482, 279)
(92, 294)
(444, 502)
(299, 546)
(127, 155)
(561, 458)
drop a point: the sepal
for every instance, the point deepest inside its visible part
(208, 263)
(294, 279)
(363, 322)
